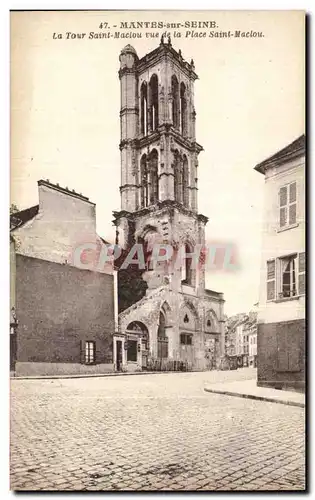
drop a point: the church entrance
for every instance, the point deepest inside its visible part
(137, 344)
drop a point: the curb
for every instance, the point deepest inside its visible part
(91, 375)
(257, 398)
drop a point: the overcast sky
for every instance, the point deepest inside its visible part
(249, 99)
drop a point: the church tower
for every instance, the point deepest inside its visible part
(159, 186)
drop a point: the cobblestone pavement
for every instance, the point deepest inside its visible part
(153, 432)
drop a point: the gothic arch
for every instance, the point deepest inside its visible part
(188, 317)
(154, 101)
(212, 323)
(149, 180)
(154, 179)
(144, 181)
(178, 176)
(183, 109)
(162, 337)
(144, 108)
(148, 236)
(185, 177)
(187, 264)
(175, 102)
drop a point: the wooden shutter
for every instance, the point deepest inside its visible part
(292, 203)
(301, 289)
(271, 279)
(283, 202)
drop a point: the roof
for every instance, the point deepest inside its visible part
(129, 48)
(18, 219)
(167, 48)
(290, 152)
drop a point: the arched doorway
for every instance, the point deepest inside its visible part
(137, 343)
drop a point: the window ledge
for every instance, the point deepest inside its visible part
(286, 228)
(287, 299)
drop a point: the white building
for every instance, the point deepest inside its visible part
(281, 316)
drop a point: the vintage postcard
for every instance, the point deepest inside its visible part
(157, 244)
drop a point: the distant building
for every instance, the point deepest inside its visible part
(250, 332)
(238, 330)
(281, 317)
(63, 309)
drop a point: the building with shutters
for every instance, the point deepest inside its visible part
(63, 309)
(281, 315)
(177, 322)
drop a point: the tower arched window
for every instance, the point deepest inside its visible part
(144, 181)
(187, 271)
(149, 178)
(154, 102)
(185, 193)
(144, 108)
(178, 180)
(183, 109)
(175, 102)
(153, 174)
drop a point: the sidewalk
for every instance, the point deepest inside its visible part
(248, 389)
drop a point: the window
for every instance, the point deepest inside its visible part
(149, 178)
(89, 352)
(175, 102)
(144, 108)
(132, 350)
(187, 274)
(154, 102)
(186, 339)
(286, 277)
(183, 109)
(287, 205)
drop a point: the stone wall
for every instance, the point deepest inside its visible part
(58, 307)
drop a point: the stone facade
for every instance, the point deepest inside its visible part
(177, 320)
(281, 315)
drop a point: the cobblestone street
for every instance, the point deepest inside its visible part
(151, 432)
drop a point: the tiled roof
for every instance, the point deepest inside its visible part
(18, 219)
(293, 150)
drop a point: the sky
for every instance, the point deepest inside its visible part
(249, 99)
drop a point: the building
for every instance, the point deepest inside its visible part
(281, 316)
(177, 322)
(64, 308)
(241, 332)
(250, 332)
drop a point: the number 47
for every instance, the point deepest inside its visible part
(103, 25)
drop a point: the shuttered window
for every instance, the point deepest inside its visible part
(302, 273)
(271, 280)
(287, 205)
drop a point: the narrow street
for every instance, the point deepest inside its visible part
(151, 432)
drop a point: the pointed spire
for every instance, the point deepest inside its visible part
(169, 40)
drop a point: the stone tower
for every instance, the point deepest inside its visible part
(159, 203)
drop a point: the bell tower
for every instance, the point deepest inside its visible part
(158, 145)
(159, 152)
(164, 300)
